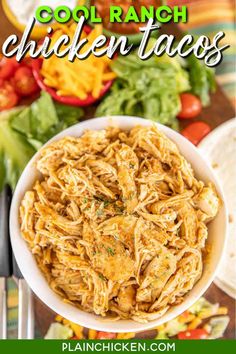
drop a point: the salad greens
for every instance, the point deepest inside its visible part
(152, 88)
(202, 79)
(15, 151)
(218, 326)
(173, 327)
(202, 315)
(202, 306)
(44, 119)
(24, 130)
(59, 331)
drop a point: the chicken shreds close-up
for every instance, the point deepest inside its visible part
(118, 222)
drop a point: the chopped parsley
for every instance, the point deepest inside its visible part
(101, 276)
(106, 203)
(110, 251)
(119, 210)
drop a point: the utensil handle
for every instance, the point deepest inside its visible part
(3, 308)
(5, 247)
(25, 311)
(16, 270)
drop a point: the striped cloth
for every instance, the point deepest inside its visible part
(209, 17)
(205, 17)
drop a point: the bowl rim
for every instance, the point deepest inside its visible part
(36, 279)
(37, 32)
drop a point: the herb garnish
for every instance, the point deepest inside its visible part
(110, 251)
(101, 276)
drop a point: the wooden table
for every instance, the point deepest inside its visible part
(218, 112)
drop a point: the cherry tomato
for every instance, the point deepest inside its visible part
(27, 62)
(7, 68)
(198, 333)
(191, 106)
(196, 131)
(8, 97)
(25, 84)
(106, 335)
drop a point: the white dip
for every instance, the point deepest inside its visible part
(220, 148)
(24, 10)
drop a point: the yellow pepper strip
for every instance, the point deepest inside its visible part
(77, 329)
(160, 328)
(222, 311)
(59, 318)
(92, 334)
(195, 323)
(186, 318)
(125, 335)
(205, 314)
(207, 327)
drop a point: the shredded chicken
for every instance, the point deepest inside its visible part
(118, 222)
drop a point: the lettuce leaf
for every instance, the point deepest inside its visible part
(218, 326)
(58, 331)
(15, 151)
(202, 79)
(44, 119)
(24, 130)
(149, 89)
(174, 327)
(202, 305)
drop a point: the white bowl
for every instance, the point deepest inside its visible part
(36, 280)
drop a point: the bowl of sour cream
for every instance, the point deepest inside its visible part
(20, 12)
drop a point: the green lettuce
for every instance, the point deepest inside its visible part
(150, 89)
(59, 331)
(24, 130)
(174, 327)
(15, 151)
(202, 305)
(218, 326)
(202, 79)
(44, 119)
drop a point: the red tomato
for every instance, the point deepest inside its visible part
(25, 84)
(8, 97)
(106, 335)
(198, 333)
(27, 62)
(196, 131)
(191, 106)
(7, 67)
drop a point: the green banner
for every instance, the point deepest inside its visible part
(117, 346)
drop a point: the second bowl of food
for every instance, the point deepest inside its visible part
(120, 227)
